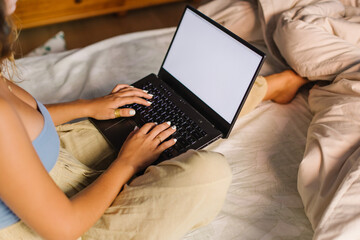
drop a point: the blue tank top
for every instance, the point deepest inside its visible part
(47, 146)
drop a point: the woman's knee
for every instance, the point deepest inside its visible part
(208, 166)
(188, 169)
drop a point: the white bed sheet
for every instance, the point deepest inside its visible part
(264, 149)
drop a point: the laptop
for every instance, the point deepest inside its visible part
(201, 86)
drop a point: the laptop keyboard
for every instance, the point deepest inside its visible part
(162, 110)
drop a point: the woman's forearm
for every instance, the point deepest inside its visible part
(65, 112)
(101, 108)
(98, 196)
(71, 220)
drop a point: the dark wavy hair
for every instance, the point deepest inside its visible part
(8, 36)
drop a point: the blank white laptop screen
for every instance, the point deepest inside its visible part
(213, 65)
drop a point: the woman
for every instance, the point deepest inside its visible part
(29, 149)
(58, 189)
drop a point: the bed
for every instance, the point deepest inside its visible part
(266, 146)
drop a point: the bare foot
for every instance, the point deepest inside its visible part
(282, 87)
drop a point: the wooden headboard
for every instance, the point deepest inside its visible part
(33, 13)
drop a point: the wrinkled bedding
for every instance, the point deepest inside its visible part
(320, 40)
(310, 146)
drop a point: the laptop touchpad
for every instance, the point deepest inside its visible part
(119, 131)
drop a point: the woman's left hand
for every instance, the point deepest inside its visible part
(103, 108)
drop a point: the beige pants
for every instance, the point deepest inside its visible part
(166, 202)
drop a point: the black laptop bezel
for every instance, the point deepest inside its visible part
(219, 122)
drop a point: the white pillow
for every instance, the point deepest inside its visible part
(53, 45)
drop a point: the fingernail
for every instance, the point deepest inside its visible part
(145, 91)
(168, 123)
(156, 123)
(150, 95)
(132, 112)
(175, 140)
(149, 102)
(173, 127)
(131, 86)
(136, 128)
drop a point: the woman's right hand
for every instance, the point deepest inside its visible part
(143, 146)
